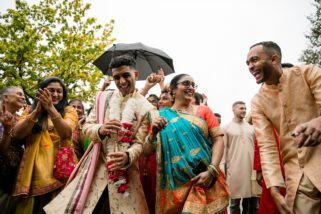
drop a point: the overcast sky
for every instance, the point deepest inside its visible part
(209, 39)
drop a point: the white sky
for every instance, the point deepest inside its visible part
(209, 39)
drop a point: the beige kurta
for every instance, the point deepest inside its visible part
(238, 156)
(295, 100)
(135, 203)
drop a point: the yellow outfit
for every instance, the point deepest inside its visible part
(35, 175)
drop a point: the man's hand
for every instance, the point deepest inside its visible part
(309, 133)
(161, 74)
(117, 160)
(81, 120)
(110, 127)
(106, 84)
(158, 124)
(259, 177)
(280, 201)
(204, 102)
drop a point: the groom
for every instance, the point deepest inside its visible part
(119, 108)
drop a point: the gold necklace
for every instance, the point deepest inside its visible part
(189, 109)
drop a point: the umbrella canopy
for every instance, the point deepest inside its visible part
(148, 59)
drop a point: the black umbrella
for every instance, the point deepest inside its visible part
(148, 59)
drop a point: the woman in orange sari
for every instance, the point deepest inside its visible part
(46, 126)
(189, 147)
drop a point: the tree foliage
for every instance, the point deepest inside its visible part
(313, 52)
(52, 38)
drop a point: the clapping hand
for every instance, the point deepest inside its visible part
(44, 97)
(6, 118)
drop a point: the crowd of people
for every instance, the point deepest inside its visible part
(135, 152)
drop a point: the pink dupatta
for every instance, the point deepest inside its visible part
(95, 149)
(75, 200)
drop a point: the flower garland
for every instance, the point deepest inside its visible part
(120, 178)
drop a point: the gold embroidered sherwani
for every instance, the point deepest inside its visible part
(295, 100)
(135, 202)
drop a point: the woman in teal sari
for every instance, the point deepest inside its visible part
(189, 147)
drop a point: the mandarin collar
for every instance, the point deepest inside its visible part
(276, 87)
(237, 121)
(128, 95)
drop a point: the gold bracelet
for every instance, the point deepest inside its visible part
(56, 118)
(214, 168)
(211, 171)
(151, 141)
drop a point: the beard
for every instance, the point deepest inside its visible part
(267, 69)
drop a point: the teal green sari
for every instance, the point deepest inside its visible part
(181, 146)
(184, 145)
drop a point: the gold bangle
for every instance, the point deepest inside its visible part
(211, 171)
(214, 168)
(56, 118)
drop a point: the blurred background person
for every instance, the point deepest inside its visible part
(239, 153)
(218, 116)
(80, 142)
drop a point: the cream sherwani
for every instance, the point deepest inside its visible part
(238, 155)
(295, 100)
(135, 203)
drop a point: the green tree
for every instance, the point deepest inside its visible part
(53, 37)
(313, 52)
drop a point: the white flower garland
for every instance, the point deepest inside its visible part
(128, 114)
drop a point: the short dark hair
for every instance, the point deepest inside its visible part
(154, 96)
(287, 65)
(238, 103)
(270, 48)
(217, 115)
(123, 60)
(198, 98)
(174, 81)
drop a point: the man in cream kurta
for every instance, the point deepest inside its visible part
(238, 156)
(289, 100)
